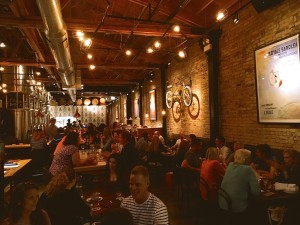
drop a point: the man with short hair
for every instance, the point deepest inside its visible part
(145, 207)
(191, 157)
(224, 151)
(160, 137)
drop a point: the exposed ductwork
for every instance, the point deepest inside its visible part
(56, 33)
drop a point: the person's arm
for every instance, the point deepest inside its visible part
(185, 164)
(161, 216)
(253, 183)
(80, 162)
(46, 218)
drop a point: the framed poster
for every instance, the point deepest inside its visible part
(136, 108)
(278, 81)
(152, 104)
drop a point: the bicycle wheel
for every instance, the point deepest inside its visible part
(187, 95)
(169, 99)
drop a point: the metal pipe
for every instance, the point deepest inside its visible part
(57, 36)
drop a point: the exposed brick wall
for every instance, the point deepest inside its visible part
(194, 67)
(238, 107)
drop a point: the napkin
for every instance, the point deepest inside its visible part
(285, 187)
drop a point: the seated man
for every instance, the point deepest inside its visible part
(160, 137)
(191, 157)
(142, 146)
(145, 207)
(224, 151)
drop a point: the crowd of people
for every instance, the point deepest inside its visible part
(236, 172)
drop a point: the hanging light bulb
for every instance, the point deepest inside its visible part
(92, 67)
(157, 44)
(221, 15)
(176, 28)
(182, 54)
(1, 68)
(150, 50)
(89, 56)
(128, 52)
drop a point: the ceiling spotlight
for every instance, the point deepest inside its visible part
(221, 15)
(157, 44)
(87, 42)
(38, 73)
(150, 50)
(176, 28)
(79, 34)
(2, 45)
(236, 18)
(89, 56)
(151, 80)
(169, 63)
(4, 85)
(4, 90)
(182, 54)
(1, 68)
(128, 52)
(92, 67)
(132, 91)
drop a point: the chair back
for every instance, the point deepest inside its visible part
(223, 194)
(204, 186)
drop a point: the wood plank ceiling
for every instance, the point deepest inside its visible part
(114, 26)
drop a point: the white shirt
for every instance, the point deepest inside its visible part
(152, 211)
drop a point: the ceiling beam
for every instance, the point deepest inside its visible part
(14, 62)
(183, 17)
(93, 82)
(122, 27)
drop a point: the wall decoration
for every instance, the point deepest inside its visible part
(194, 108)
(152, 103)
(89, 114)
(117, 111)
(125, 110)
(278, 82)
(136, 108)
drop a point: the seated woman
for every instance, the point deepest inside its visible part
(39, 150)
(116, 180)
(107, 139)
(24, 208)
(264, 164)
(62, 202)
(289, 172)
(212, 171)
(68, 155)
(239, 182)
(155, 149)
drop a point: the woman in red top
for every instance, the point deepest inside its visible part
(212, 171)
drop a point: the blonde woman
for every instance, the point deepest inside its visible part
(212, 171)
(62, 202)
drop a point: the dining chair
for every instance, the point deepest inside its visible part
(187, 185)
(225, 216)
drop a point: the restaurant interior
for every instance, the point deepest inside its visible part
(212, 68)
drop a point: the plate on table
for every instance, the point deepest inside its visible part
(290, 192)
(8, 165)
(89, 200)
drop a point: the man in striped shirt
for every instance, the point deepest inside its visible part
(146, 208)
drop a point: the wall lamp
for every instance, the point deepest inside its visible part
(236, 18)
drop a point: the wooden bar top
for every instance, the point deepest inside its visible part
(12, 171)
(14, 146)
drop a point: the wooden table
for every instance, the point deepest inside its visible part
(91, 169)
(108, 200)
(11, 173)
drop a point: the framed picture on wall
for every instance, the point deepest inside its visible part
(136, 108)
(278, 81)
(152, 105)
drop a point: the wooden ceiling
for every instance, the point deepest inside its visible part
(114, 26)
